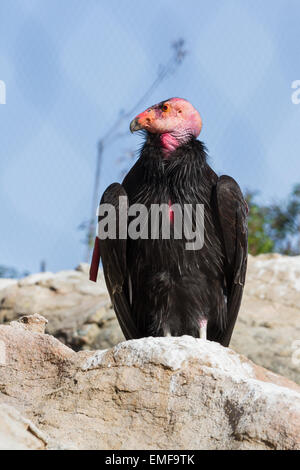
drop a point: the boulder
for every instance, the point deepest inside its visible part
(79, 311)
(151, 393)
(268, 326)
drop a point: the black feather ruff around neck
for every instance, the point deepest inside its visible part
(187, 162)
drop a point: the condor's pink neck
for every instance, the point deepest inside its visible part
(170, 142)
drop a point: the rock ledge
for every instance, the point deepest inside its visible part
(151, 393)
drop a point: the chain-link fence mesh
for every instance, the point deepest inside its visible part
(77, 71)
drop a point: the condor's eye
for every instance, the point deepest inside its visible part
(165, 107)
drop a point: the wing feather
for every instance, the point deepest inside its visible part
(232, 213)
(113, 255)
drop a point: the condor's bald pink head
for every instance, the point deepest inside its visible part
(175, 120)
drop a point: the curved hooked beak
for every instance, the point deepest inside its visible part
(135, 125)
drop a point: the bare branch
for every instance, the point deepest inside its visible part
(114, 133)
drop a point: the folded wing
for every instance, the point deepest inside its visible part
(232, 213)
(113, 255)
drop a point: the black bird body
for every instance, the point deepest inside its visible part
(159, 287)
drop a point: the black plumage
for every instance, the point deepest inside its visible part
(157, 286)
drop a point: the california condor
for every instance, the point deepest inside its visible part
(157, 286)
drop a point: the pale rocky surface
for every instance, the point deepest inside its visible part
(152, 393)
(17, 432)
(268, 326)
(79, 311)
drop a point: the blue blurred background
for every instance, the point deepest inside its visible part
(70, 67)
